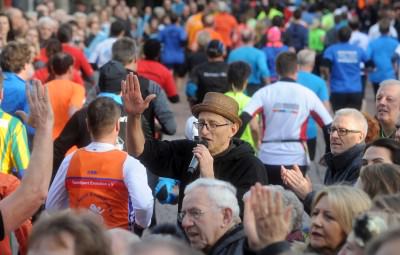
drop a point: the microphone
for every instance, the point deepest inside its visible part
(194, 163)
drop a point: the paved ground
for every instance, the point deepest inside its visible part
(167, 213)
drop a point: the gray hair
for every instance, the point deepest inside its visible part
(356, 115)
(222, 193)
(78, 15)
(290, 199)
(124, 50)
(46, 21)
(389, 82)
(121, 240)
(223, 6)
(306, 57)
(203, 39)
(158, 242)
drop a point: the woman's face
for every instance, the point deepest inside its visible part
(326, 232)
(4, 26)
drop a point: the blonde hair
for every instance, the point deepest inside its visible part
(348, 202)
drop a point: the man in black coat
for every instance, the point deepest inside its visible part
(225, 158)
(347, 143)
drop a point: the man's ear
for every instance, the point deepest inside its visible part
(227, 216)
(117, 125)
(234, 128)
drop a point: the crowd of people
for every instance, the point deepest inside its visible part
(86, 100)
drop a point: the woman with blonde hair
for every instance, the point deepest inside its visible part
(332, 214)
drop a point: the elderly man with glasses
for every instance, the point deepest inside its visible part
(347, 135)
(224, 158)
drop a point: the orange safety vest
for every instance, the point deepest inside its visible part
(95, 181)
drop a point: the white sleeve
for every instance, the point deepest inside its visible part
(94, 55)
(255, 105)
(319, 112)
(57, 199)
(141, 197)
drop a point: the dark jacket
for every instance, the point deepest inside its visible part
(231, 243)
(282, 247)
(236, 165)
(345, 167)
(210, 77)
(342, 169)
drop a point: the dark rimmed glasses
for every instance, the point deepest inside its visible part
(209, 126)
(342, 131)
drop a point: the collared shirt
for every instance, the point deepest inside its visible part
(13, 146)
(135, 179)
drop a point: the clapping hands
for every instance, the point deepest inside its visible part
(295, 180)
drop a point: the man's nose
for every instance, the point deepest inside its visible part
(381, 101)
(186, 222)
(334, 133)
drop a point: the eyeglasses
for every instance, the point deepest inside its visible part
(194, 213)
(341, 131)
(209, 126)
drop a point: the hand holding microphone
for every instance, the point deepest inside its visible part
(202, 159)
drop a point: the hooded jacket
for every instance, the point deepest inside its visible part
(236, 165)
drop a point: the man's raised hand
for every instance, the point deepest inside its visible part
(132, 96)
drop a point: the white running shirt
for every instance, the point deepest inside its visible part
(285, 107)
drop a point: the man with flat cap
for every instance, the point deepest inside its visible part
(226, 158)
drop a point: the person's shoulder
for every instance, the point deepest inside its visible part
(133, 162)
(9, 121)
(313, 77)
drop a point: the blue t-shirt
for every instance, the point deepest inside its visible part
(257, 61)
(14, 96)
(318, 86)
(345, 67)
(271, 53)
(172, 38)
(382, 52)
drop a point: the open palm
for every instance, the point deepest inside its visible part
(132, 96)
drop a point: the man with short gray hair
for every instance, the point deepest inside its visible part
(347, 142)
(210, 217)
(388, 107)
